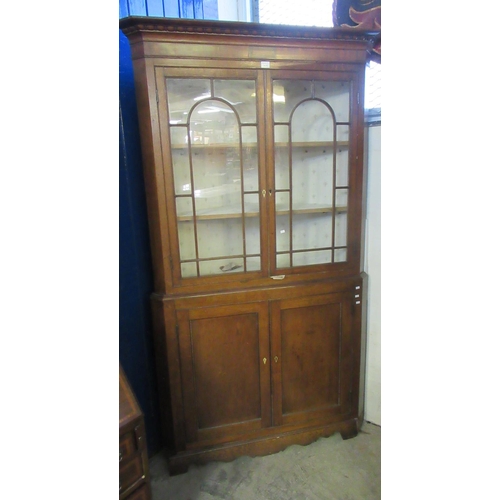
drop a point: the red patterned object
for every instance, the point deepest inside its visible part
(360, 14)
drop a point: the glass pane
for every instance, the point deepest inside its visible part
(282, 207)
(188, 270)
(282, 200)
(186, 241)
(252, 205)
(183, 93)
(184, 209)
(312, 177)
(252, 224)
(178, 137)
(223, 266)
(286, 95)
(217, 171)
(282, 233)
(281, 157)
(312, 231)
(283, 260)
(312, 122)
(220, 238)
(316, 116)
(340, 255)
(253, 264)
(215, 165)
(342, 167)
(185, 225)
(336, 94)
(180, 165)
(212, 195)
(312, 258)
(341, 229)
(213, 122)
(250, 158)
(241, 95)
(249, 136)
(341, 198)
(252, 236)
(343, 135)
(281, 135)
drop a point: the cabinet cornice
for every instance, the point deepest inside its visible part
(137, 24)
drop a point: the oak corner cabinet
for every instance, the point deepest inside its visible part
(252, 141)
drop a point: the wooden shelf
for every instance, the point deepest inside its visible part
(214, 147)
(226, 213)
(311, 144)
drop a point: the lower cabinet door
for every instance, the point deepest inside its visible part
(225, 368)
(312, 359)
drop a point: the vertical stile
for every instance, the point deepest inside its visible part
(191, 175)
(242, 194)
(334, 184)
(290, 188)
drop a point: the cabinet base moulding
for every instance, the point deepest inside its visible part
(179, 463)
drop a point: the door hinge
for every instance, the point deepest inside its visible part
(157, 99)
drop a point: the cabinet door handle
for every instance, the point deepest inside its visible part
(275, 359)
(264, 360)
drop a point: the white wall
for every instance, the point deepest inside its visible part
(372, 268)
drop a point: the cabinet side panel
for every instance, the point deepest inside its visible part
(359, 172)
(360, 330)
(168, 373)
(145, 86)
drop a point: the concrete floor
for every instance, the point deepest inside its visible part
(328, 469)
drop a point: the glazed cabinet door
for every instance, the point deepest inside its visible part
(316, 128)
(225, 369)
(312, 358)
(213, 156)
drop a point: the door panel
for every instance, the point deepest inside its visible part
(214, 167)
(312, 358)
(314, 221)
(226, 384)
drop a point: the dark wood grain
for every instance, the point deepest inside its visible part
(225, 382)
(226, 360)
(310, 357)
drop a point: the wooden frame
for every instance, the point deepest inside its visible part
(251, 306)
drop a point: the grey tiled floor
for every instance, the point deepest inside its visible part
(328, 469)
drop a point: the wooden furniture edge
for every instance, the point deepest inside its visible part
(178, 464)
(135, 24)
